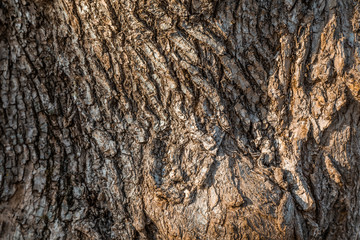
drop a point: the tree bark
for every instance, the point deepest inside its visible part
(180, 119)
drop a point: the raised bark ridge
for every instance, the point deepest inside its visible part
(169, 119)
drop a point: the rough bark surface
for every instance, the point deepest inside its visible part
(180, 119)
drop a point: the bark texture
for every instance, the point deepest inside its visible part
(180, 119)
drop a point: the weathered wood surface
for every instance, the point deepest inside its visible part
(179, 119)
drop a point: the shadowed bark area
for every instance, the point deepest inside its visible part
(180, 119)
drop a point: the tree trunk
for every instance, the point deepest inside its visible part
(180, 119)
